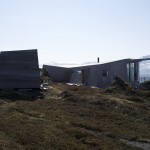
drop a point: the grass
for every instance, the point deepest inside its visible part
(71, 118)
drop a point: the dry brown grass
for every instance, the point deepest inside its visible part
(72, 118)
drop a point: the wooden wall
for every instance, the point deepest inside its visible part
(19, 69)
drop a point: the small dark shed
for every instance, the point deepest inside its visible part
(19, 69)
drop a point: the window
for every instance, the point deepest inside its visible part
(131, 72)
(105, 73)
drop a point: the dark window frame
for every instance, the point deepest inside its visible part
(105, 73)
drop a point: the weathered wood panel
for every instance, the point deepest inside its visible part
(19, 69)
(58, 74)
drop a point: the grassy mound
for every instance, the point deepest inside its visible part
(45, 76)
(120, 83)
(73, 118)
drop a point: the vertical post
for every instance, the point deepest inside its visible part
(129, 72)
(98, 60)
(136, 71)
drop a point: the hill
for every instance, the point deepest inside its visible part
(75, 118)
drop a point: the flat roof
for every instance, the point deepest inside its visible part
(63, 65)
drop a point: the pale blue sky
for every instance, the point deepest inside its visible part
(76, 31)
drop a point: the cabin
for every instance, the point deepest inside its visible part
(19, 69)
(97, 75)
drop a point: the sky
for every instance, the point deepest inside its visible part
(76, 31)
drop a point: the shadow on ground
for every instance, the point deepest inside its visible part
(25, 95)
